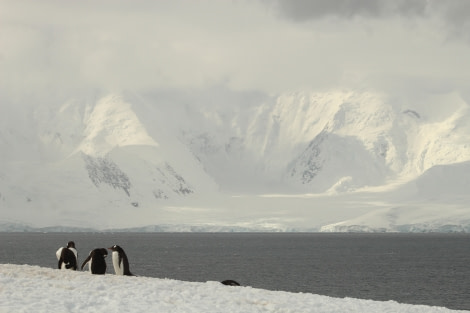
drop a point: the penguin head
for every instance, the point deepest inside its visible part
(104, 252)
(115, 248)
(71, 244)
(99, 252)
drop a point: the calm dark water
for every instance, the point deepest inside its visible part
(430, 269)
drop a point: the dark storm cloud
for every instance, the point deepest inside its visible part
(453, 11)
(456, 14)
(301, 10)
(453, 15)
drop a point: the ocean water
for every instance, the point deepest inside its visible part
(429, 269)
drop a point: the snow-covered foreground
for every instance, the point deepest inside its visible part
(25, 288)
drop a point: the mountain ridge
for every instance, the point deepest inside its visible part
(150, 157)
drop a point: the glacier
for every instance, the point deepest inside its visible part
(223, 160)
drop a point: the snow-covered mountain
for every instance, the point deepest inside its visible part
(336, 161)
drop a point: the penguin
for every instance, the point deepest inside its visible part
(67, 257)
(230, 282)
(97, 261)
(120, 262)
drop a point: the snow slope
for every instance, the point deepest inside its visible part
(436, 201)
(332, 161)
(31, 288)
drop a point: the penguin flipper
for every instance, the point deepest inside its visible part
(86, 261)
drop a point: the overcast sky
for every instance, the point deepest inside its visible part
(398, 47)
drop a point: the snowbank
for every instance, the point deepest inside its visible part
(25, 288)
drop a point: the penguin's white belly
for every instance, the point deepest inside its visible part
(118, 268)
(89, 264)
(58, 253)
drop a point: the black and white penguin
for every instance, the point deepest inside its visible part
(230, 282)
(120, 261)
(97, 261)
(67, 257)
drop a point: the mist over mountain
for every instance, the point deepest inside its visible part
(331, 161)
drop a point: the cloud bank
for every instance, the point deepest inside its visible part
(402, 47)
